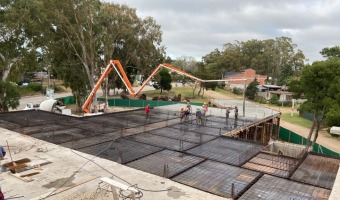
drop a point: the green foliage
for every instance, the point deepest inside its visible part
(284, 103)
(274, 99)
(332, 52)
(260, 99)
(35, 87)
(9, 97)
(210, 85)
(237, 91)
(271, 57)
(251, 90)
(165, 82)
(286, 73)
(333, 116)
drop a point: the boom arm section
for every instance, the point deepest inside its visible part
(170, 67)
(114, 64)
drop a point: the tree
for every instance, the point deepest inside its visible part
(105, 32)
(332, 52)
(11, 99)
(20, 36)
(165, 82)
(251, 90)
(267, 57)
(185, 63)
(320, 83)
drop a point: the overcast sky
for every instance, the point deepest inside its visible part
(197, 27)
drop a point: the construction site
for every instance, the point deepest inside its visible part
(124, 155)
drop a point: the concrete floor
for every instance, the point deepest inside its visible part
(83, 176)
(70, 174)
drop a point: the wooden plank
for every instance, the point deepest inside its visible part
(118, 184)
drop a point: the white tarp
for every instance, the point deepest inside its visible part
(335, 130)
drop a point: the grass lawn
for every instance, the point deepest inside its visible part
(296, 119)
(184, 91)
(228, 93)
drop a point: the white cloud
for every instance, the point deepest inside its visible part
(196, 27)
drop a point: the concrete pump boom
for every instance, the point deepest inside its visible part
(115, 64)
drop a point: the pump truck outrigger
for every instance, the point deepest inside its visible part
(115, 64)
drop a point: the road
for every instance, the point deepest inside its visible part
(37, 99)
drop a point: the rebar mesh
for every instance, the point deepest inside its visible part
(175, 161)
(272, 164)
(163, 142)
(126, 150)
(178, 134)
(318, 171)
(270, 187)
(217, 178)
(226, 150)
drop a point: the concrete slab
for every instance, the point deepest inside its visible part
(72, 176)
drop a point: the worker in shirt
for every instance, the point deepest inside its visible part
(2, 152)
(198, 116)
(227, 112)
(189, 107)
(147, 111)
(236, 112)
(186, 114)
(205, 106)
(181, 113)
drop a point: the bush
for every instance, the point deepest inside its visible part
(211, 85)
(237, 91)
(284, 103)
(35, 87)
(260, 99)
(333, 118)
(274, 99)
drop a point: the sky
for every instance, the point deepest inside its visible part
(197, 27)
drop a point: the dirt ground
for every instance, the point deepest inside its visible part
(323, 139)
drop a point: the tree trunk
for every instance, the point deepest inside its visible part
(316, 132)
(193, 91)
(199, 92)
(310, 134)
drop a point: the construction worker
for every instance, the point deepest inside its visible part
(186, 114)
(189, 107)
(147, 111)
(205, 106)
(236, 112)
(227, 112)
(181, 113)
(2, 152)
(198, 116)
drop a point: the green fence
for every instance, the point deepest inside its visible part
(128, 102)
(141, 103)
(289, 136)
(68, 100)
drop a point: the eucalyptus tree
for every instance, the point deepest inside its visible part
(92, 33)
(319, 83)
(20, 37)
(267, 57)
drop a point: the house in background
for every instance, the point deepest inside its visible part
(267, 91)
(238, 79)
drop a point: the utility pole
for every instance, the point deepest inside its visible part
(244, 98)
